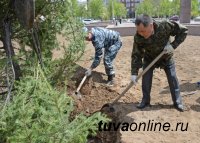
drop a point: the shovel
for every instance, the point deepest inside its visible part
(79, 87)
(138, 77)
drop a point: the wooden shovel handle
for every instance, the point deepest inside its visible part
(140, 75)
(80, 85)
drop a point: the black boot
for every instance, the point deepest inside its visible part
(110, 81)
(179, 107)
(143, 104)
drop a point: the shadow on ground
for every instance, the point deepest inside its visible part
(196, 107)
(185, 87)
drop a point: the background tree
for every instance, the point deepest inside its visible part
(156, 11)
(145, 7)
(175, 6)
(105, 14)
(82, 11)
(195, 8)
(116, 9)
(166, 8)
(120, 10)
(111, 9)
(96, 9)
(158, 8)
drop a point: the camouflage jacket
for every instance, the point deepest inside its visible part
(146, 50)
(102, 38)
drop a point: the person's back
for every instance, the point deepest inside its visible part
(104, 38)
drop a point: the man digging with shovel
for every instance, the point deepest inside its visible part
(108, 40)
(150, 40)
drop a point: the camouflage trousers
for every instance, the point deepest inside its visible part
(109, 56)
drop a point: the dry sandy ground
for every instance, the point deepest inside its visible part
(187, 58)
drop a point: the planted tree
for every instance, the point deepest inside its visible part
(38, 111)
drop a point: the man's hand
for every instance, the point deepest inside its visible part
(169, 49)
(133, 78)
(88, 72)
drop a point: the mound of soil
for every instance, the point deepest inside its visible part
(94, 95)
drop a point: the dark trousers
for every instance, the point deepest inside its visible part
(172, 80)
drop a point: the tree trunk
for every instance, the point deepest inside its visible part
(185, 11)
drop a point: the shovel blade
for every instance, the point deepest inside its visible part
(108, 106)
(78, 94)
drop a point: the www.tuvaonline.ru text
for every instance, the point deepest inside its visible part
(151, 125)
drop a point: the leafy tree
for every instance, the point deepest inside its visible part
(195, 8)
(166, 8)
(159, 8)
(60, 19)
(120, 10)
(96, 8)
(110, 8)
(105, 14)
(175, 7)
(116, 9)
(145, 7)
(82, 11)
(156, 7)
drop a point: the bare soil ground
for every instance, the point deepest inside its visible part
(95, 94)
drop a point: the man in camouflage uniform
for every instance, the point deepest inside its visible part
(150, 40)
(111, 42)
